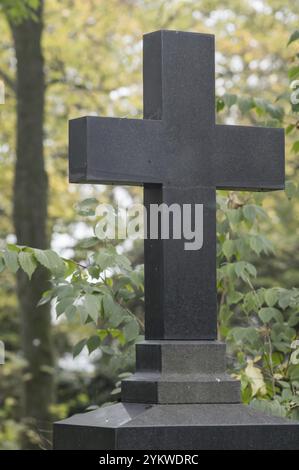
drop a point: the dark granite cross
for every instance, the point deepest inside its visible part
(179, 155)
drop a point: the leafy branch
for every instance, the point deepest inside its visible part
(96, 294)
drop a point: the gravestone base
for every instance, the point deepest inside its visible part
(136, 426)
(179, 399)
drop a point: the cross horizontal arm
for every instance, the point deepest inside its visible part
(249, 158)
(115, 151)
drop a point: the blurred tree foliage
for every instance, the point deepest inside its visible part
(93, 63)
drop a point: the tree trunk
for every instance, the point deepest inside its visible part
(30, 217)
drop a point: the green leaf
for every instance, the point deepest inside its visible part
(256, 244)
(234, 215)
(241, 334)
(11, 260)
(261, 105)
(82, 310)
(259, 243)
(88, 242)
(137, 278)
(294, 319)
(219, 104)
(295, 147)
(46, 298)
(240, 268)
(229, 99)
(114, 312)
(131, 330)
(117, 315)
(63, 305)
(241, 245)
(277, 358)
(249, 212)
(109, 258)
(260, 293)
(102, 334)
(285, 298)
(2, 263)
(244, 270)
(252, 211)
(105, 259)
(64, 290)
(264, 107)
(225, 314)
(293, 73)
(228, 248)
(14, 247)
(227, 270)
(271, 297)
(107, 303)
(267, 314)
(92, 306)
(269, 407)
(245, 104)
(234, 297)
(294, 373)
(50, 260)
(70, 313)
(87, 207)
(123, 262)
(290, 128)
(93, 343)
(290, 189)
(251, 302)
(275, 111)
(78, 347)
(282, 336)
(294, 37)
(27, 263)
(70, 267)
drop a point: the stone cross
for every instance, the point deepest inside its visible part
(179, 155)
(180, 396)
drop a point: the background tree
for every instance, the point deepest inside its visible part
(30, 197)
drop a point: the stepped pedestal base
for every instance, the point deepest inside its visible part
(131, 426)
(180, 398)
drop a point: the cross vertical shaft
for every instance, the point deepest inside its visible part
(180, 285)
